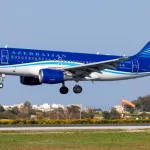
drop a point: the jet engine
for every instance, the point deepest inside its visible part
(51, 76)
(29, 80)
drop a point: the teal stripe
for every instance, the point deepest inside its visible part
(125, 73)
(71, 64)
(42, 63)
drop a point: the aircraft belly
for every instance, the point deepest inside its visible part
(15, 71)
(7, 70)
(112, 77)
(106, 76)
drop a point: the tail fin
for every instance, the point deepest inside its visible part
(145, 51)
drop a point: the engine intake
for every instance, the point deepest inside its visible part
(30, 80)
(50, 76)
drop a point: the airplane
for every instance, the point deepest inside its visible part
(35, 67)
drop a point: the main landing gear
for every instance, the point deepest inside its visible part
(77, 89)
(64, 90)
(2, 76)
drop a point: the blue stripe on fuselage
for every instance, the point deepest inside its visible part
(53, 55)
(27, 57)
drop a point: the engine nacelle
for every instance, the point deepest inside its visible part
(29, 80)
(51, 76)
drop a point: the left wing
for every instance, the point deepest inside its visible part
(86, 69)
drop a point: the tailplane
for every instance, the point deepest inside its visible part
(145, 51)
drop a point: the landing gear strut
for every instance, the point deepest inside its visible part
(63, 89)
(2, 76)
(77, 89)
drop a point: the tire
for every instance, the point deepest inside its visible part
(63, 90)
(1, 85)
(77, 89)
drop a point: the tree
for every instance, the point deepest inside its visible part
(114, 114)
(15, 110)
(106, 114)
(39, 114)
(57, 113)
(26, 110)
(7, 115)
(1, 108)
(144, 115)
(143, 103)
(73, 112)
(90, 113)
(27, 104)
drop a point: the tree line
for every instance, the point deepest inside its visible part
(71, 112)
(142, 103)
(74, 112)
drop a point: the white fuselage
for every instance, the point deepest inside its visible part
(32, 69)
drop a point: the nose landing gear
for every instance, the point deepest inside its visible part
(2, 76)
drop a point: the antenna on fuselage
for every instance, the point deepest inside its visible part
(6, 46)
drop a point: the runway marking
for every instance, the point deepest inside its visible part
(76, 128)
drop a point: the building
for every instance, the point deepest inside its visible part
(118, 108)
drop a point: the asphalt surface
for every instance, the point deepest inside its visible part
(135, 127)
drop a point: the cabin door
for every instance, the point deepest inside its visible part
(135, 66)
(4, 56)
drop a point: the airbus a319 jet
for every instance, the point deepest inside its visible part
(35, 67)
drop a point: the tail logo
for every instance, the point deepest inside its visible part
(145, 52)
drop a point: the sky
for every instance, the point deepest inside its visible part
(89, 26)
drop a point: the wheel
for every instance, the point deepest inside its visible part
(63, 90)
(77, 89)
(1, 85)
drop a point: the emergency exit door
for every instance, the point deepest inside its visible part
(4, 56)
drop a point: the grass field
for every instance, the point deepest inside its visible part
(75, 140)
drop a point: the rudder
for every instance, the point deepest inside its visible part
(145, 51)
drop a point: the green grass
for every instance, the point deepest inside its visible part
(75, 140)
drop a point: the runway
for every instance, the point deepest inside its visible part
(76, 128)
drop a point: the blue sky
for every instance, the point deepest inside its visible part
(112, 27)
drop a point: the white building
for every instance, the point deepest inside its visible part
(47, 107)
(10, 107)
(118, 108)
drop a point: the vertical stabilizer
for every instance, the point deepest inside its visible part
(145, 51)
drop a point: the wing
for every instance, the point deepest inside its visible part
(86, 69)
